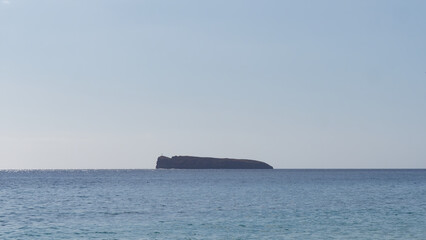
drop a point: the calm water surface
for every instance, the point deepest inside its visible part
(213, 204)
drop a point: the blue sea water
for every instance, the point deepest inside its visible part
(213, 204)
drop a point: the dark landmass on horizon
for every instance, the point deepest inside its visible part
(190, 162)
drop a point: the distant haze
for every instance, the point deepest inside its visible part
(296, 84)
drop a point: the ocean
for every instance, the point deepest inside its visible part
(213, 204)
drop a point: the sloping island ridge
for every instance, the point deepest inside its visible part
(190, 162)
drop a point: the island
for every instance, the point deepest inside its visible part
(190, 162)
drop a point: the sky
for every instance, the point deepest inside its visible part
(298, 84)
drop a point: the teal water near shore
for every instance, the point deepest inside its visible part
(213, 204)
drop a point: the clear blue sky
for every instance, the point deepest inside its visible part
(298, 84)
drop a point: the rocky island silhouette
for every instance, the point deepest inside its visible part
(190, 162)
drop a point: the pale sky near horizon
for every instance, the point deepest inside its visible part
(297, 84)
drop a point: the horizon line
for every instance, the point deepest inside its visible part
(114, 169)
